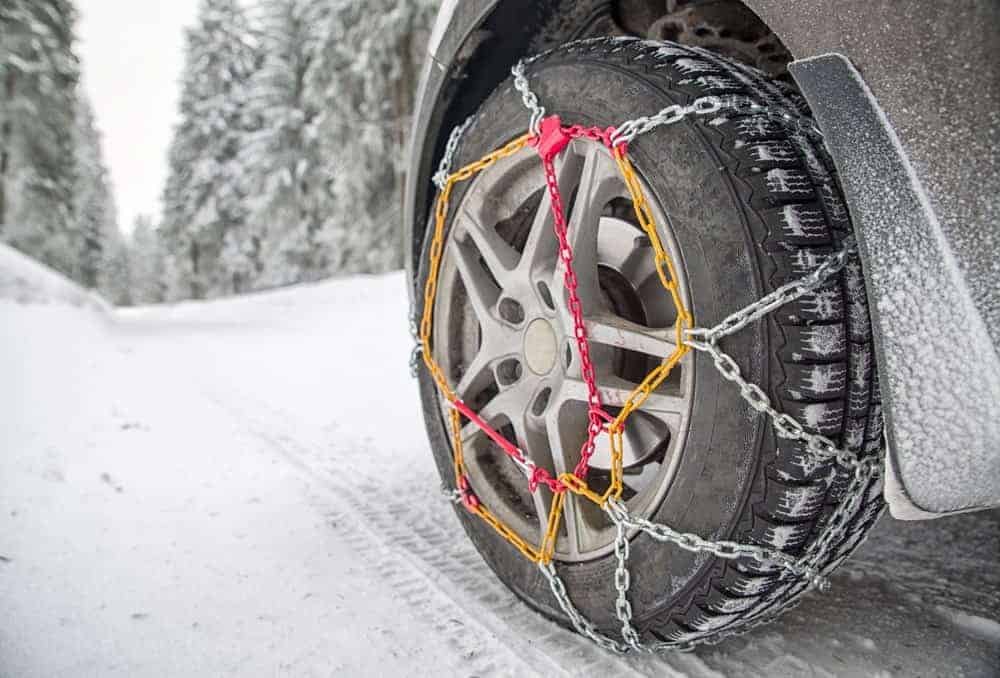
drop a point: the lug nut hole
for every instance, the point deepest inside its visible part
(509, 371)
(511, 311)
(541, 401)
(543, 291)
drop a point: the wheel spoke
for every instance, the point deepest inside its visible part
(615, 391)
(563, 426)
(595, 178)
(498, 343)
(533, 441)
(529, 436)
(499, 257)
(596, 184)
(508, 403)
(483, 292)
(612, 330)
(475, 377)
(541, 246)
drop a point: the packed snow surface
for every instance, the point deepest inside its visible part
(24, 280)
(243, 487)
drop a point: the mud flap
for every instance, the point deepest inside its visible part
(938, 369)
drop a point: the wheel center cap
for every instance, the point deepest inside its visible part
(540, 346)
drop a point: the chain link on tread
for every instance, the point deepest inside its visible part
(528, 97)
(809, 568)
(444, 167)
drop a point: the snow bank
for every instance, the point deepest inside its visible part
(242, 487)
(25, 281)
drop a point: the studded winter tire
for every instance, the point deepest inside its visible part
(743, 203)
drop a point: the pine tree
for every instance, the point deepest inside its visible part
(318, 128)
(203, 198)
(286, 160)
(364, 83)
(38, 86)
(115, 282)
(146, 262)
(95, 231)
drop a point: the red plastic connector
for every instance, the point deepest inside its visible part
(469, 499)
(552, 138)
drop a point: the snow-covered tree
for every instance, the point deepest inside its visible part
(363, 83)
(38, 88)
(287, 162)
(145, 262)
(289, 168)
(116, 276)
(97, 241)
(332, 104)
(203, 198)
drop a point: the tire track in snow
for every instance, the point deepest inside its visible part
(426, 559)
(436, 540)
(478, 650)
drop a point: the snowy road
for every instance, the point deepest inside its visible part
(243, 488)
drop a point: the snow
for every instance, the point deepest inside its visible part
(800, 502)
(694, 66)
(24, 280)
(788, 181)
(775, 151)
(825, 340)
(825, 378)
(243, 487)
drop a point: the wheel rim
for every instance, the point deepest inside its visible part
(504, 336)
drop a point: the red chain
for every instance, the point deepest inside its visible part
(549, 143)
(552, 139)
(538, 474)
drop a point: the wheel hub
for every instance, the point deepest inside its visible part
(540, 346)
(503, 334)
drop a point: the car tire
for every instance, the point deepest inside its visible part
(753, 203)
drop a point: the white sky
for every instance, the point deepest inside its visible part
(132, 56)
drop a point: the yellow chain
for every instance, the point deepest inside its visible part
(437, 248)
(667, 274)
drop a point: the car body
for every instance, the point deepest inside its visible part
(908, 98)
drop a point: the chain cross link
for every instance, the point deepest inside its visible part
(786, 293)
(528, 97)
(630, 129)
(451, 147)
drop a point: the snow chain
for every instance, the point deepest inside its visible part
(549, 138)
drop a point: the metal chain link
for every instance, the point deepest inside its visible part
(785, 425)
(452, 495)
(440, 178)
(580, 623)
(623, 579)
(811, 567)
(692, 542)
(630, 129)
(528, 97)
(779, 297)
(418, 346)
(806, 567)
(444, 167)
(596, 412)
